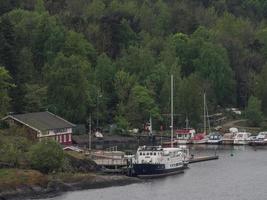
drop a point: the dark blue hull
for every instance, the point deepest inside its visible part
(155, 169)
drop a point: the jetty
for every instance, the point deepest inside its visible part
(203, 158)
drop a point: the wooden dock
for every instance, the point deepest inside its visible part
(203, 158)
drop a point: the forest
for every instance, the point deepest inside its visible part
(112, 59)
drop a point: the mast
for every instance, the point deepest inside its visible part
(150, 123)
(171, 110)
(90, 133)
(204, 113)
(187, 123)
(207, 111)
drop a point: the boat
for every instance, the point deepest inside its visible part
(99, 135)
(155, 161)
(260, 139)
(185, 136)
(242, 138)
(215, 138)
(200, 138)
(228, 138)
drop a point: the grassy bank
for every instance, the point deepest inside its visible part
(14, 178)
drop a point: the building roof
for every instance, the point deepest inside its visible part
(41, 120)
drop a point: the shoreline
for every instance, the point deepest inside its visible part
(57, 187)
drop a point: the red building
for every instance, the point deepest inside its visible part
(43, 125)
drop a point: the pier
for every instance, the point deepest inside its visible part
(203, 159)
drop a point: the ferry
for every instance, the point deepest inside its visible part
(156, 161)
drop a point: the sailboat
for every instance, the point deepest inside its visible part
(202, 138)
(155, 161)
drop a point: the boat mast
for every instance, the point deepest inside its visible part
(150, 123)
(204, 114)
(208, 119)
(171, 110)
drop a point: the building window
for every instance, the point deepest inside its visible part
(60, 130)
(65, 139)
(69, 137)
(60, 138)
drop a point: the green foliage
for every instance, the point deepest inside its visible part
(46, 156)
(253, 111)
(14, 146)
(35, 97)
(261, 89)
(140, 106)
(5, 86)
(68, 87)
(63, 54)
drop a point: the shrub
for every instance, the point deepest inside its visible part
(46, 156)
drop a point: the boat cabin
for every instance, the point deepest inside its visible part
(156, 154)
(215, 136)
(242, 138)
(261, 136)
(185, 134)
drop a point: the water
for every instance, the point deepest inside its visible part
(239, 177)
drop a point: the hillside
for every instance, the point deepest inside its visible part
(113, 59)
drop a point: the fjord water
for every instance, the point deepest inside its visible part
(239, 174)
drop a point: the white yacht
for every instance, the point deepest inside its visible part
(242, 138)
(260, 139)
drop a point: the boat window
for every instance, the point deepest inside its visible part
(155, 153)
(147, 153)
(151, 153)
(140, 153)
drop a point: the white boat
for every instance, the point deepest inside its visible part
(242, 138)
(155, 161)
(98, 134)
(260, 139)
(185, 136)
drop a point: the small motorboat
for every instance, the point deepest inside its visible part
(242, 138)
(200, 138)
(98, 135)
(260, 139)
(215, 138)
(185, 136)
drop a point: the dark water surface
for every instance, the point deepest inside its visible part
(242, 176)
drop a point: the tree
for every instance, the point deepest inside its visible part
(253, 111)
(261, 90)
(68, 87)
(213, 66)
(5, 86)
(141, 106)
(46, 156)
(190, 100)
(35, 97)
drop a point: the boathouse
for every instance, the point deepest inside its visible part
(43, 125)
